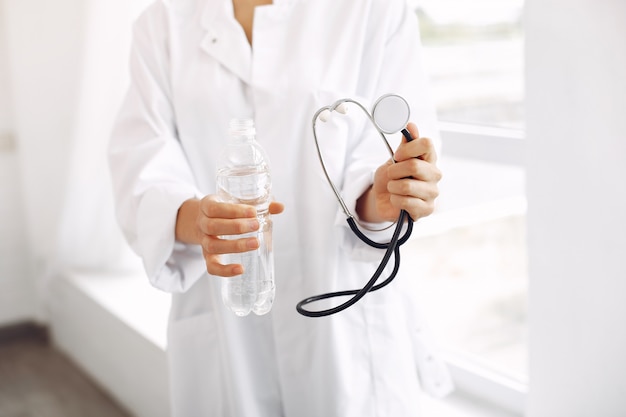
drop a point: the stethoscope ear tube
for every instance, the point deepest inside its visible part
(392, 247)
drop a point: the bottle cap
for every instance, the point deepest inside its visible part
(242, 127)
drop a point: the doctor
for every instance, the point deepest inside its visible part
(196, 64)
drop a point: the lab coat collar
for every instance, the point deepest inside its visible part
(224, 38)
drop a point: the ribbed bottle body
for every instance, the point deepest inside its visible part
(244, 178)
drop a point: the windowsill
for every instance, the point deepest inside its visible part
(129, 299)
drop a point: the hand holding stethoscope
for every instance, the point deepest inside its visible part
(407, 183)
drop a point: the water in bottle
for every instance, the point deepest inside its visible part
(243, 177)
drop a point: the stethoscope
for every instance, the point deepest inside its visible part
(389, 115)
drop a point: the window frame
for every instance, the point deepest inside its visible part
(505, 146)
(485, 143)
(478, 380)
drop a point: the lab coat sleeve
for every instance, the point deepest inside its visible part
(392, 64)
(150, 173)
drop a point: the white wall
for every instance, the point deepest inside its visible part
(5, 96)
(16, 300)
(576, 128)
(43, 48)
(16, 291)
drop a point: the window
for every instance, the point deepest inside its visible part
(472, 253)
(474, 53)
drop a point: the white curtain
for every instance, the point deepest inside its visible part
(88, 237)
(68, 70)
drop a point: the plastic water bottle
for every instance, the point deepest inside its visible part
(243, 177)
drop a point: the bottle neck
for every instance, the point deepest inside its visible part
(242, 130)
(238, 138)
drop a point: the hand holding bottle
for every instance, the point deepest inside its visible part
(234, 227)
(216, 219)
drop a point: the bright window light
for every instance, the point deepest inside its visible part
(474, 54)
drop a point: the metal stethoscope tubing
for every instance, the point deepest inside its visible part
(391, 248)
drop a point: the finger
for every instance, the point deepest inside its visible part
(422, 148)
(212, 245)
(416, 169)
(417, 208)
(413, 130)
(419, 147)
(276, 207)
(219, 227)
(416, 189)
(214, 267)
(217, 209)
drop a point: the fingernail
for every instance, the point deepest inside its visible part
(252, 244)
(237, 270)
(253, 224)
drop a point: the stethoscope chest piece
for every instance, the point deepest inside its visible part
(390, 113)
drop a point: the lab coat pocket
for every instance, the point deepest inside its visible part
(433, 371)
(396, 382)
(193, 355)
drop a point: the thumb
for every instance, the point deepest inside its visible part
(276, 207)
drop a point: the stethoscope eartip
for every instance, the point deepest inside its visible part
(324, 115)
(342, 108)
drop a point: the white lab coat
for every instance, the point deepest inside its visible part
(192, 71)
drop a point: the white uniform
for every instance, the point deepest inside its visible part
(192, 71)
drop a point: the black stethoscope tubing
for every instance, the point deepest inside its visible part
(392, 247)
